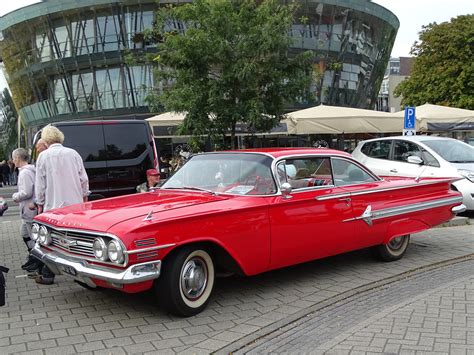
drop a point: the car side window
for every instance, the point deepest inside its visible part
(377, 149)
(403, 149)
(429, 159)
(348, 173)
(306, 172)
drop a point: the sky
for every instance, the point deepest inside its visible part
(413, 14)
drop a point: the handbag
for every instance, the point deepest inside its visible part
(3, 269)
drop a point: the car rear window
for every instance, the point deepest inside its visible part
(377, 149)
(125, 141)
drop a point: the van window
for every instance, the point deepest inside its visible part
(121, 140)
(87, 140)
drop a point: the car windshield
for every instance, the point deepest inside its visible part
(452, 150)
(232, 173)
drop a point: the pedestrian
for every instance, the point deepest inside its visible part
(152, 180)
(25, 196)
(5, 173)
(61, 180)
(41, 146)
(12, 173)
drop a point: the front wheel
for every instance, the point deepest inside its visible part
(393, 250)
(186, 282)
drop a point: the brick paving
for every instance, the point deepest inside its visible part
(65, 318)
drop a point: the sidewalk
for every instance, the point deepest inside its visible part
(65, 318)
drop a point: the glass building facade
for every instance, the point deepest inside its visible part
(68, 59)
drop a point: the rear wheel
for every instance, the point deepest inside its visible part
(393, 250)
(186, 282)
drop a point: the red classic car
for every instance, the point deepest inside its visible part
(240, 211)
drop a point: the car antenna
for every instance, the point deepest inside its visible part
(421, 173)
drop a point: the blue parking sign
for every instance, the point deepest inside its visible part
(409, 118)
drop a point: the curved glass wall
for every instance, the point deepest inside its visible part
(69, 57)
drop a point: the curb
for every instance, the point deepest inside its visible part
(455, 222)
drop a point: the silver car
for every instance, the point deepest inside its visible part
(421, 156)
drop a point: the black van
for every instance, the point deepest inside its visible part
(116, 153)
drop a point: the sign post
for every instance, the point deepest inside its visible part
(409, 122)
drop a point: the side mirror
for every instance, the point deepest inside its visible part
(286, 190)
(414, 159)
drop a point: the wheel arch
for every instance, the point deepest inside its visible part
(221, 257)
(405, 226)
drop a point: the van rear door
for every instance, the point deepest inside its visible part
(129, 154)
(88, 140)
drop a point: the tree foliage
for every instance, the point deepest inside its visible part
(443, 70)
(228, 62)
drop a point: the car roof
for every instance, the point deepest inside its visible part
(281, 152)
(417, 138)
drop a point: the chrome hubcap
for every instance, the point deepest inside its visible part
(194, 278)
(396, 243)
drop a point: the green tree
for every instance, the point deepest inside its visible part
(230, 65)
(443, 70)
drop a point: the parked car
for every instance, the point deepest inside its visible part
(116, 153)
(431, 157)
(245, 212)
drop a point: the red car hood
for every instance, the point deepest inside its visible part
(103, 214)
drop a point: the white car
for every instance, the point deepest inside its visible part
(429, 157)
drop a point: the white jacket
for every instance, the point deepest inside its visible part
(25, 195)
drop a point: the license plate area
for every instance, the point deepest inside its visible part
(68, 270)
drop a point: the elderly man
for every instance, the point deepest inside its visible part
(25, 196)
(152, 180)
(61, 180)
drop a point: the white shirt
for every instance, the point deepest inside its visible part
(61, 179)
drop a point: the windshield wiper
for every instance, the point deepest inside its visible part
(191, 188)
(461, 161)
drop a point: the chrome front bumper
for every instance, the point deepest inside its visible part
(84, 271)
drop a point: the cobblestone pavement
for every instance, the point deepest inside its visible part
(65, 318)
(432, 312)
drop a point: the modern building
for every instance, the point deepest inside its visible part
(68, 59)
(398, 69)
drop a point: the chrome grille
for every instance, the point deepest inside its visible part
(147, 255)
(145, 242)
(73, 242)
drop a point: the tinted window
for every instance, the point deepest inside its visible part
(348, 173)
(377, 149)
(87, 140)
(403, 149)
(125, 141)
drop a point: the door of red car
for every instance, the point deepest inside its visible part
(309, 223)
(360, 184)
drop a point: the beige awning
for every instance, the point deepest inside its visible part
(440, 118)
(164, 125)
(335, 120)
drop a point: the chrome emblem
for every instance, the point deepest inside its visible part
(66, 243)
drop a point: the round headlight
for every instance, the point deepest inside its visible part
(100, 249)
(34, 231)
(115, 251)
(43, 236)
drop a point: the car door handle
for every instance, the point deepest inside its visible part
(347, 200)
(394, 171)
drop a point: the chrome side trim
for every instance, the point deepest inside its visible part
(459, 209)
(395, 211)
(84, 271)
(150, 249)
(332, 196)
(383, 189)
